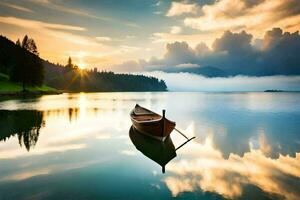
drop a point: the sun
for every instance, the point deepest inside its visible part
(81, 61)
(81, 65)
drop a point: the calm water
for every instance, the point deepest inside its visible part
(77, 146)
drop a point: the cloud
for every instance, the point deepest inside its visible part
(231, 54)
(175, 30)
(180, 8)
(158, 3)
(179, 52)
(63, 8)
(104, 39)
(191, 39)
(129, 37)
(50, 4)
(131, 65)
(233, 42)
(49, 37)
(208, 171)
(16, 7)
(126, 48)
(235, 53)
(255, 15)
(38, 24)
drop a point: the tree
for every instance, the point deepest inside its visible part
(26, 124)
(18, 42)
(29, 45)
(28, 70)
(27, 67)
(70, 64)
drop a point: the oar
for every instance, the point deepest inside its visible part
(187, 139)
(184, 143)
(181, 133)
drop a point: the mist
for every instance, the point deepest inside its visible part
(194, 82)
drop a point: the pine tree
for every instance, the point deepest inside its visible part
(18, 42)
(29, 45)
(70, 64)
(28, 68)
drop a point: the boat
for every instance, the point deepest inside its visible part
(160, 152)
(151, 123)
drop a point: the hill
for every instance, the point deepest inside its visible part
(7, 87)
(74, 79)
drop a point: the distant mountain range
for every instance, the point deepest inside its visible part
(207, 71)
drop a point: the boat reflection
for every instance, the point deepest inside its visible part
(158, 151)
(26, 124)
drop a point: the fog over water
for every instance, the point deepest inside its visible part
(194, 82)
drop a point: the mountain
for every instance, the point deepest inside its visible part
(206, 71)
(74, 79)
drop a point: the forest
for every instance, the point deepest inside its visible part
(20, 61)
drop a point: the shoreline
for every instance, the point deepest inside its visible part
(57, 92)
(27, 93)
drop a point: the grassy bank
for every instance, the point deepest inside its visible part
(10, 88)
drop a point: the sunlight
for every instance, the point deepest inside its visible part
(82, 104)
(81, 65)
(81, 59)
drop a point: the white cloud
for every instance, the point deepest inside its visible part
(256, 16)
(104, 39)
(128, 153)
(208, 171)
(180, 8)
(175, 30)
(157, 12)
(158, 3)
(33, 24)
(126, 48)
(16, 7)
(130, 37)
(191, 39)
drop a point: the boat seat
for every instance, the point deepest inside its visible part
(144, 113)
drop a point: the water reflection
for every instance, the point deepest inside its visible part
(204, 168)
(158, 151)
(247, 147)
(26, 124)
(73, 114)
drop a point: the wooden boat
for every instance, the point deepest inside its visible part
(151, 123)
(160, 152)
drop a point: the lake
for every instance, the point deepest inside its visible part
(77, 146)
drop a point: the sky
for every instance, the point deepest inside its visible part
(242, 37)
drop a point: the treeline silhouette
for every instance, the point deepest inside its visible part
(25, 124)
(105, 81)
(21, 61)
(68, 77)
